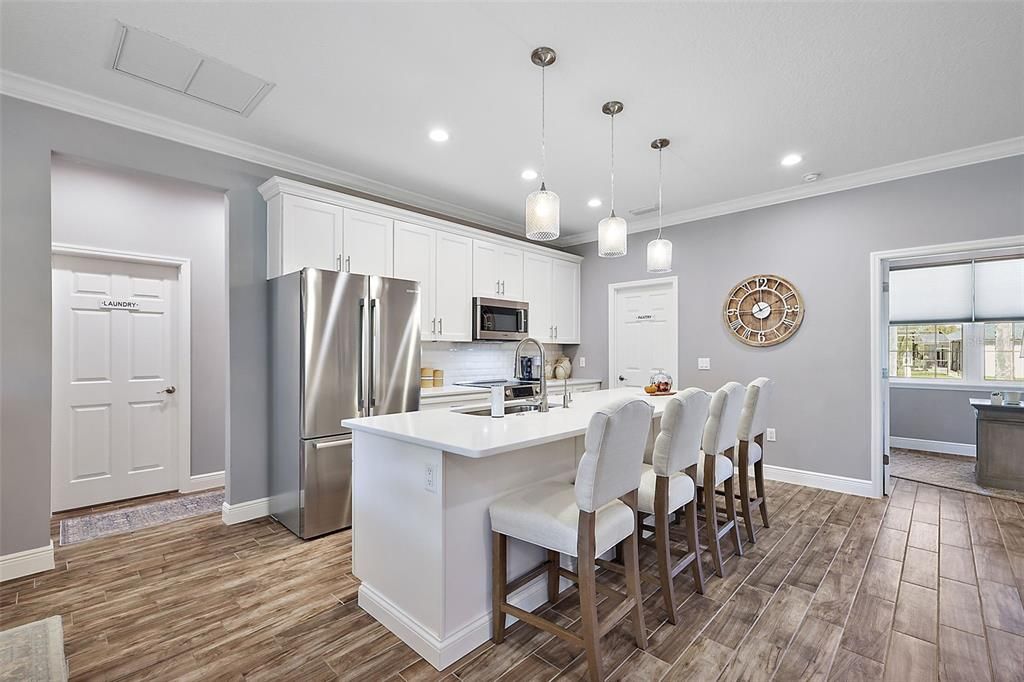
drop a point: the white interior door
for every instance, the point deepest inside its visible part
(643, 333)
(115, 428)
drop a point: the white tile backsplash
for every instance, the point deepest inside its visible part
(476, 361)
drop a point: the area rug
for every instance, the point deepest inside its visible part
(92, 526)
(33, 652)
(945, 471)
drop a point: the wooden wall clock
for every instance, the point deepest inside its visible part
(763, 310)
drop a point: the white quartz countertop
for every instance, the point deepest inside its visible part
(476, 436)
(451, 390)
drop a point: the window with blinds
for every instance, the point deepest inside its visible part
(975, 291)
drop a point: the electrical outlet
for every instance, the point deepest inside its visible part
(703, 363)
(583, 361)
(430, 478)
(769, 434)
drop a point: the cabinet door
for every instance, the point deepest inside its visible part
(511, 269)
(367, 247)
(414, 259)
(310, 235)
(565, 294)
(537, 292)
(453, 297)
(486, 269)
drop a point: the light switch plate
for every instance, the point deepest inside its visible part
(583, 361)
(769, 434)
(703, 363)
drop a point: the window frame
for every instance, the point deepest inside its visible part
(974, 366)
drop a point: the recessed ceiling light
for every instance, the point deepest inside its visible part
(791, 159)
(594, 203)
(439, 135)
(528, 174)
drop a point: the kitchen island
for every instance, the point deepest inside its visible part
(422, 483)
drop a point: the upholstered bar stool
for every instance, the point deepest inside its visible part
(718, 445)
(668, 484)
(753, 421)
(583, 519)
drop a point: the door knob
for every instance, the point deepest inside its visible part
(622, 378)
(169, 390)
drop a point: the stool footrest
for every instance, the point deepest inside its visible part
(514, 585)
(542, 624)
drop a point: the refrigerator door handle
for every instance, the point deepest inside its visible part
(371, 374)
(362, 351)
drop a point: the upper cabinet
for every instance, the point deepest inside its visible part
(310, 226)
(497, 270)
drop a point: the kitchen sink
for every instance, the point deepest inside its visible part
(516, 409)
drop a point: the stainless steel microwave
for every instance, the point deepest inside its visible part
(495, 319)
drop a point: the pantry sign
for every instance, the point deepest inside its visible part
(118, 304)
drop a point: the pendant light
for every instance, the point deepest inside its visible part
(542, 205)
(611, 232)
(659, 251)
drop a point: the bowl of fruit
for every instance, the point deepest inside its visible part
(660, 384)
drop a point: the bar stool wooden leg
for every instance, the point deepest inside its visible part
(730, 513)
(745, 490)
(661, 543)
(711, 515)
(499, 584)
(630, 549)
(554, 560)
(759, 479)
(588, 594)
(693, 543)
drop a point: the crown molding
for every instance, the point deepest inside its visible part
(992, 151)
(79, 103)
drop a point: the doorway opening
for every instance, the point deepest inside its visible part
(947, 323)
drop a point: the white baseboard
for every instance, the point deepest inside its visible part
(438, 652)
(813, 479)
(27, 562)
(214, 479)
(245, 511)
(964, 449)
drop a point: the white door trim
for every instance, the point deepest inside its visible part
(184, 266)
(614, 288)
(876, 260)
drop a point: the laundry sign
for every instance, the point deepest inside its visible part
(118, 304)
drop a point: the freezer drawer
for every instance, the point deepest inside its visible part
(325, 485)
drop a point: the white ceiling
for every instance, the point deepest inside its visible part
(735, 86)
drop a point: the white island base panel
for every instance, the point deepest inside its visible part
(424, 556)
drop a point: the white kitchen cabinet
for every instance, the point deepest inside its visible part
(537, 292)
(367, 244)
(442, 263)
(307, 233)
(565, 301)
(497, 270)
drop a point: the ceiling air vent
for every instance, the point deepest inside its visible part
(644, 211)
(163, 62)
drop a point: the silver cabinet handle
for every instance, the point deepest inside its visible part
(502, 287)
(556, 331)
(497, 286)
(169, 390)
(440, 326)
(348, 263)
(337, 262)
(433, 326)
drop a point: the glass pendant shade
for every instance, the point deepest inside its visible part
(659, 255)
(542, 215)
(611, 237)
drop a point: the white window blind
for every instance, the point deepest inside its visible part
(999, 290)
(961, 292)
(931, 294)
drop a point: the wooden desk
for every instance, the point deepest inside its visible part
(1000, 432)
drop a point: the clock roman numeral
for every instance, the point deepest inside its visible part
(735, 324)
(788, 322)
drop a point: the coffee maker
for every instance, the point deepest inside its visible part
(530, 368)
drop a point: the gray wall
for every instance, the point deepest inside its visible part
(144, 213)
(933, 414)
(822, 399)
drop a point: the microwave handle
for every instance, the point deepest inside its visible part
(521, 321)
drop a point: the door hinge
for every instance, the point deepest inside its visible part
(885, 372)
(885, 287)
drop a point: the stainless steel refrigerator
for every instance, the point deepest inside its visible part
(342, 345)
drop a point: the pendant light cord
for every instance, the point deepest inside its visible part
(613, 163)
(543, 144)
(659, 194)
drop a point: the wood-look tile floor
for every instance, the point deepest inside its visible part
(923, 585)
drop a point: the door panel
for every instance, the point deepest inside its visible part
(453, 298)
(486, 269)
(368, 244)
(564, 290)
(325, 485)
(312, 235)
(644, 334)
(114, 433)
(396, 345)
(415, 260)
(331, 340)
(511, 273)
(537, 292)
